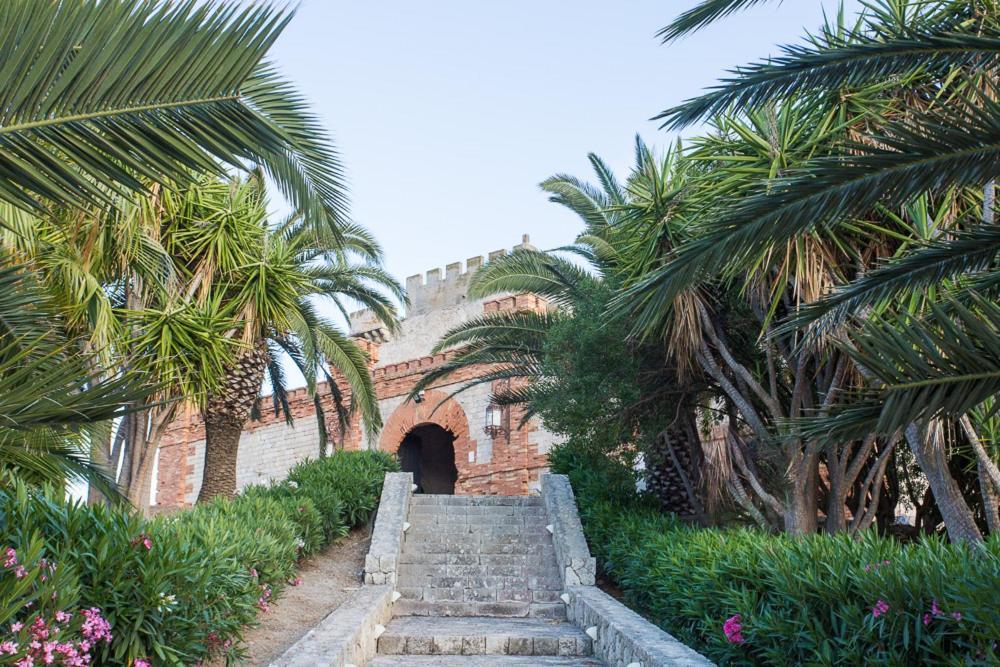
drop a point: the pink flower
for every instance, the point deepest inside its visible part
(880, 608)
(63, 617)
(26, 661)
(16, 627)
(39, 629)
(139, 662)
(144, 540)
(11, 559)
(9, 648)
(253, 572)
(296, 581)
(733, 629)
(20, 572)
(957, 615)
(95, 628)
(935, 609)
(927, 619)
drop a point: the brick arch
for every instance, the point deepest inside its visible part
(438, 409)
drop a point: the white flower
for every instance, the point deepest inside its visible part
(292, 484)
(167, 602)
(299, 542)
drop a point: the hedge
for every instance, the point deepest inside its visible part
(173, 590)
(745, 597)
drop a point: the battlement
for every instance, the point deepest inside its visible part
(431, 291)
(365, 324)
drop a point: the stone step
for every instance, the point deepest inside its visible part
(462, 523)
(482, 661)
(416, 557)
(514, 594)
(475, 501)
(482, 570)
(454, 608)
(491, 511)
(423, 516)
(479, 636)
(468, 523)
(471, 545)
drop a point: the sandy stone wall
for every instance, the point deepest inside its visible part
(507, 464)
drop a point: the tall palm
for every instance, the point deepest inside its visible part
(940, 59)
(104, 98)
(623, 222)
(949, 143)
(268, 280)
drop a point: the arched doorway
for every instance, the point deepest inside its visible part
(428, 451)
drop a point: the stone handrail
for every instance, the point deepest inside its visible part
(622, 638)
(387, 537)
(576, 566)
(347, 636)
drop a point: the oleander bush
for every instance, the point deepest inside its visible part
(175, 589)
(742, 596)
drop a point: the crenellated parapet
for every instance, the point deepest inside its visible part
(434, 290)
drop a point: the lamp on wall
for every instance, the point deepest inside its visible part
(494, 420)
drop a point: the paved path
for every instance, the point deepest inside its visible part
(479, 585)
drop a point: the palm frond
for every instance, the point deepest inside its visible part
(803, 69)
(582, 198)
(534, 272)
(966, 254)
(50, 398)
(706, 12)
(100, 95)
(953, 147)
(506, 327)
(942, 364)
(348, 359)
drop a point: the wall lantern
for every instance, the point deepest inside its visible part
(494, 420)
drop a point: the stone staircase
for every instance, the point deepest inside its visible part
(479, 585)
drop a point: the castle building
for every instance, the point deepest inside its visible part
(444, 439)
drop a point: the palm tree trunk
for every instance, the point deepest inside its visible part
(226, 412)
(222, 444)
(991, 501)
(800, 506)
(148, 433)
(100, 455)
(673, 464)
(928, 449)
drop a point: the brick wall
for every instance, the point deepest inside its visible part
(508, 464)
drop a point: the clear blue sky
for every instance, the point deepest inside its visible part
(448, 113)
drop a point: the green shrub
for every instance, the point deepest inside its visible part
(800, 600)
(179, 588)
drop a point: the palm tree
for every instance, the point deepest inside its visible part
(100, 96)
(106, 98)
(618, 220)
(268, 280)
(940, 61)
(50, 401)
